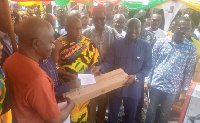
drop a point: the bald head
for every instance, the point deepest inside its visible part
(75, 13)
(33, 27)
(51, 19)
(70, 20)
(119, 16)
(36, 38)
(134, 21)
(133, 28)
(74, 28)
(119, 21)
(157, 16)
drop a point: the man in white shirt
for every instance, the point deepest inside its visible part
(119, 22)
(197, 32)
(156, 20)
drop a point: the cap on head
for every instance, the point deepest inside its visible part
(99, 8)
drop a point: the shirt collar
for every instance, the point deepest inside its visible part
(170, 40)
(95, 32)
(126, 40)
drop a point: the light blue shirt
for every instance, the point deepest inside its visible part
(173, 65)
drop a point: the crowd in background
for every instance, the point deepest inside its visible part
(52, 51)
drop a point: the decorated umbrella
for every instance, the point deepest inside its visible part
(82, 1)
(29, 3)
(47, 2)
(146, 4)
(130, 4)
(114, 2)
(194, 4)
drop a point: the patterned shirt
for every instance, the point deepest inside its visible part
(7, 46)
(173, 65)
(5, 105)
(49, 67)
(148, 36)
(159, 33)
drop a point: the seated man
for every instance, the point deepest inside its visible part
(32, 90)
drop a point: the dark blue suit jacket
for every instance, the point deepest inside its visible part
(134, 58)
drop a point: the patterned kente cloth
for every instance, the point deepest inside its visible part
(5, 109)
(78, 57)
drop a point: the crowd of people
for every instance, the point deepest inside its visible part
(47, 64)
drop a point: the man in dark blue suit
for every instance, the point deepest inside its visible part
(133, 55)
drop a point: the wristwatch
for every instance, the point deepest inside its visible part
(137, 80)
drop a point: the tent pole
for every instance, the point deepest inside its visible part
(10, 26)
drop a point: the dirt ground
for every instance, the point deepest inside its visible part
(173, 116)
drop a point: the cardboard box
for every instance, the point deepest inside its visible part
(197, 73)
(104, 84)
(191, 108)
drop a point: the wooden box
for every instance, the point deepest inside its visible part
(104, 84)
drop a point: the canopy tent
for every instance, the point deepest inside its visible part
(146, 4)
(142, 4)
(130, 4)
(65, 2)
(29, 3)
(194, 4)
